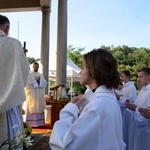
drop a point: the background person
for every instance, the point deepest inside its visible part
(35, 102)
(128, 93)
(14, 70)
(129, 89)
(140, 129)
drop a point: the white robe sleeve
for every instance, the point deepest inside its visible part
(139, 118)
(43, 82)
(71, 132)
(128, 96)
(32, 83)
(122, 101)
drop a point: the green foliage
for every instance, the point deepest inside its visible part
(75, 54)
(131, 58)
(19, 139)
(31, 60)
(27, 129)
(108, 48)
(79, 87)
(52, 84)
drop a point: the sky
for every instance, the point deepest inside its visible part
(91, 24)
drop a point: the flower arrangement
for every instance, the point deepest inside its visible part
(47, 99)
(19, 139)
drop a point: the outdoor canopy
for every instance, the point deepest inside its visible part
(72, 70)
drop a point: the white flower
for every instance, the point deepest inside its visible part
(19, 140)
(15, 127)
(17, 133)
(28, 141)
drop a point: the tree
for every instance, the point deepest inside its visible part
(31, 60)
(130, 58)
(75, 54)
(108, 48)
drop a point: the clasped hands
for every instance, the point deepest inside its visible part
(78, 100)
(145, 112)
(37, 78)
(130, 105)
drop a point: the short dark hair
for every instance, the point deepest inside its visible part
(102, 66)
(146, 70)
(4, 20)
(35, 63)
(126, 72)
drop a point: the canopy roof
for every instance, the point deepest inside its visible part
(72, 69)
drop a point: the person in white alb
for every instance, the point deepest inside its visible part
(128, 90)
(35, 103)
(140, 129)
(145, 112)
(99, 125)
(14, 70)
(128, 93)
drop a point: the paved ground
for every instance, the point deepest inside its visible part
(41, 142)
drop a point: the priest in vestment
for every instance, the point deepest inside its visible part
(34, 105)
(14, 70)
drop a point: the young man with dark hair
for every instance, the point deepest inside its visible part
(140, 118)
